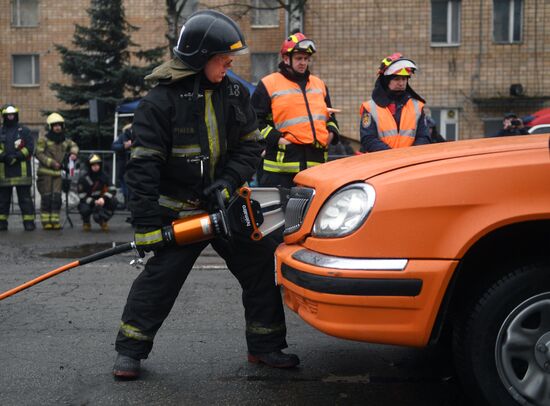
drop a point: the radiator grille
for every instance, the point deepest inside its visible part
(296, 208)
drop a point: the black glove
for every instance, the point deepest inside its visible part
(222, 185)
(148, 238)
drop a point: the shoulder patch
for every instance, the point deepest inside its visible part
(366, 119)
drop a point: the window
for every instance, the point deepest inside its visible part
(263, 64)
(187, 8)
(265, 13)
(507, 21)
(24, 13)
(446, 121)
(26, 70)
(445, 22)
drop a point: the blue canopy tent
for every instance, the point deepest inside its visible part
(126, 108)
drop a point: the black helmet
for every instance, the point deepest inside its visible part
(206, 33)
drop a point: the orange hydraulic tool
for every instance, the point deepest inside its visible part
(243, 215)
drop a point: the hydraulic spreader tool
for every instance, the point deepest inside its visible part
(254, 212)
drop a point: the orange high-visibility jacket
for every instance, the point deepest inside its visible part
(291, 110)
(393, 136)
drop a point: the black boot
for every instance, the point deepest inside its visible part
(29, 225)
(275, 359)
(3, 225)
(126, 367)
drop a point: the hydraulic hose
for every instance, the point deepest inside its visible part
(83, 261)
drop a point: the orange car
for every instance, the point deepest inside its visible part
(399, 246)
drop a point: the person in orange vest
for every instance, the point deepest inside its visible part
(393, 118)
(295, 115)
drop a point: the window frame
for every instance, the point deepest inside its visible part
(35, 70)
(256, 12)
(16, 15)
(511, 21)
(273, 54)
(444, 116)
(449, 29)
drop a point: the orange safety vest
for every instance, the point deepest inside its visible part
(388, 131)
(290, 111)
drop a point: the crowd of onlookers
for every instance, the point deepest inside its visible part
(57, 158)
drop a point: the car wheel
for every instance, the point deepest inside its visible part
(502, 343)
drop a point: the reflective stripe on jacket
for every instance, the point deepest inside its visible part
(17, 141)
(388, 131)
(302, 117)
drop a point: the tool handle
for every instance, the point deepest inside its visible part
(107, 253)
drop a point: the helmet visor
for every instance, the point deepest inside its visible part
(403, 67)
(305, 45)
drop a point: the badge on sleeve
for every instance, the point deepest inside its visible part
(365, 120)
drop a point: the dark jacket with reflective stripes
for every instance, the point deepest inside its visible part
(187, 134)
(92, 186)
(16, 150)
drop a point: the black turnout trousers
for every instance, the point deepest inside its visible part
(154, 292)
(23, 195)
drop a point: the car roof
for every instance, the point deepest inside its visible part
(540, 129)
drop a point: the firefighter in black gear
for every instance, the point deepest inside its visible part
(16, 150)
(195, 132)
(97, 195)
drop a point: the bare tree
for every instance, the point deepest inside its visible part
(177, 12)
(239, 9)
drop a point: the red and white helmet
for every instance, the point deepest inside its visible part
(395, 64)
(298, 43)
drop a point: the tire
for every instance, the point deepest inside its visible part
(501, 344)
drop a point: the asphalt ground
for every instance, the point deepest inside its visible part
(57, 339)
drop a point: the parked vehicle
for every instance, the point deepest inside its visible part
(540, 129)
(403, 246)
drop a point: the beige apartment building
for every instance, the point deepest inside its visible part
(478, 59)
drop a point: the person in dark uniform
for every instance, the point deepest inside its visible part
(196, 133)
(122, 146)
(97, 195)
(16, 150)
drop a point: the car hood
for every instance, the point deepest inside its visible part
(340, 172)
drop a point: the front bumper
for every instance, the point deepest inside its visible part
(390, 301)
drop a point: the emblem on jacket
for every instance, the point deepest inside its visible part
(365, 120)
(189, 95)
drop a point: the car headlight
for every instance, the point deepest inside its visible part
(345, 211)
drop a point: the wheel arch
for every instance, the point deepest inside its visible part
(488, 259)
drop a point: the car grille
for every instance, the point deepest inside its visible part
(296, 208)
